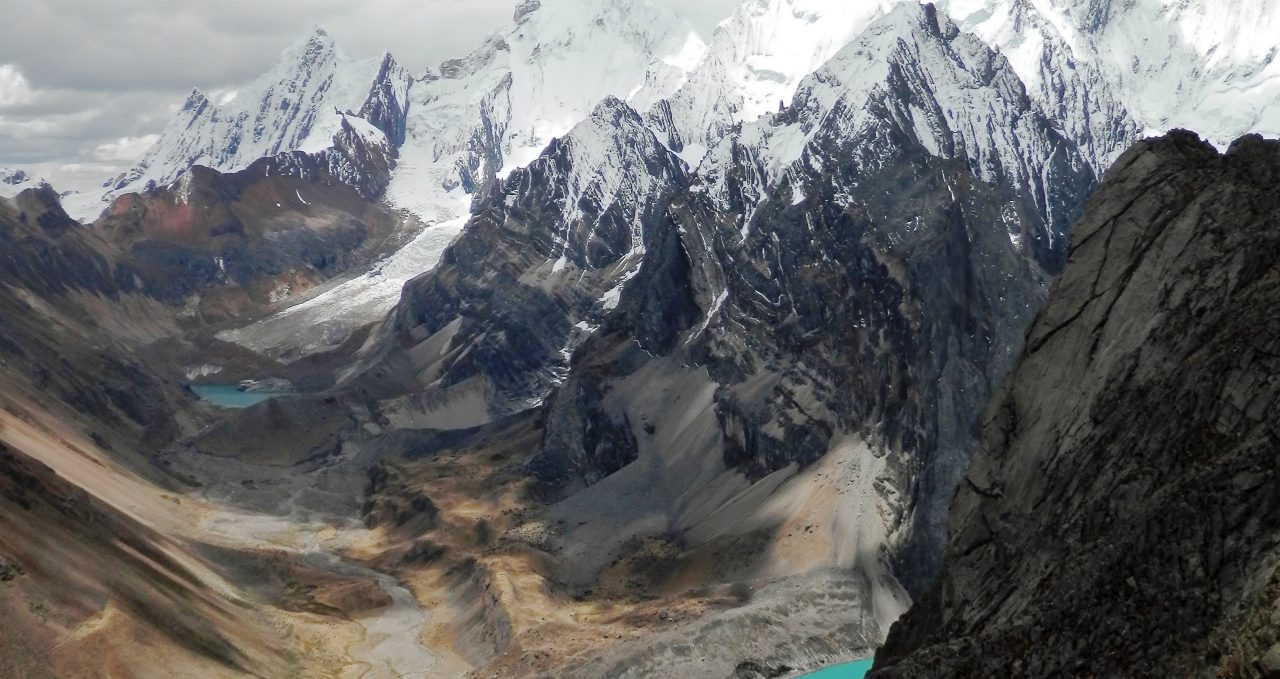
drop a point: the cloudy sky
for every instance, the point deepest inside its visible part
(86, 84)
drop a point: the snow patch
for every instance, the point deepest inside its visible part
(611, 298)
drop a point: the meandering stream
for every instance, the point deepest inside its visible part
(392, 646)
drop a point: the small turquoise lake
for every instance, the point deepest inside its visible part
(227, 396)
(850, 670)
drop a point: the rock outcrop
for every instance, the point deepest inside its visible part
(1122, 516)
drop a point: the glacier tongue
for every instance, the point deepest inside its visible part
(326, 318)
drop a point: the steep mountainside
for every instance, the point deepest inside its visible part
(111, 563)
(86, 586)
(480, 118)
(915, 149)
(1061, 70)
(1121, 516)
(73, 308)
(830, 300)
(542, 261)
(80, 576)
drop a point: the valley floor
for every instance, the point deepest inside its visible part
(288, 573)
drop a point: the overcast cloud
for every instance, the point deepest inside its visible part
(86, 84)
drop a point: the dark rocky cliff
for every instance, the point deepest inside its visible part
(1121, 517)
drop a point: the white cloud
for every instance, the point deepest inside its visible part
(124, 149)
(704, 14)
(14, 89)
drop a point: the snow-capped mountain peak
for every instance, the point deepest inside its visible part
(496, 109)
(195, 100)
(606, 171)
(771, 45)
(945, 89)
(1107, 71)
(755, 60)
(296, 106)
(14, 181)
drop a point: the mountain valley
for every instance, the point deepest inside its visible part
(615, 350)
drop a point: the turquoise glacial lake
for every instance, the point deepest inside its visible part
(227, 396)
(850, 670)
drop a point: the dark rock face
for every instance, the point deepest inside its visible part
(358, 159)
(1122, 516)
(582, 441)
(859, 324)
(478, 166)
(44, 251)
(387, 108)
